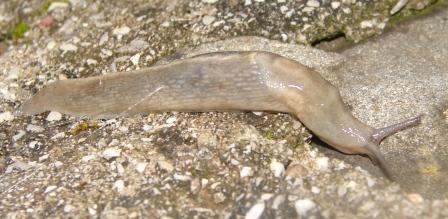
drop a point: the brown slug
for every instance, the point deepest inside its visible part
(222, 81)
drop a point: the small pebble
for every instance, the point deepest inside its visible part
(50, 189)
(415, 198)
(91, 62)
(313, 3)
(322, 163)
(206, 20)
(33, 144)
(6, 117)
(171, 120)
(54, 116)
(140, 167)
(204, 182)
(303, 206)
(277, 168)
(256, 211)
(120, 31)
(68, 208)
(165, 165)
(335, 5)
(68, 47)
(209, 1)
(119, 185)
(135, 59)
(43, 157)
(246, 171)
(57, 5)
(19, 135)
(180, 177)
(278, 200)
(104, 38)
(88, 158)
(34, 128)
(110, 153)
(114, 142)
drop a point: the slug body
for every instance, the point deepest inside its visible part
(224, 81)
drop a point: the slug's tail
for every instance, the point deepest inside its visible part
(379, 134)
(38, 103)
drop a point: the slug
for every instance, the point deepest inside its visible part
(222, 81)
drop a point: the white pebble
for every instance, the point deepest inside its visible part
(33, 144)
(135, 59)
(68, 47)
(68, 208)
(315, 190)
(165, 165)
(91, 62)
(58, 136)
(88, 158)
(204, 182)
(335, 5)
(58, 164)
(283, 9)
(121, 31)
(370, 182)
(34, 128)
(245, 171)
(51, 45)
(147, 128)
(165, 24)
(171, 120)
(322, 163)
(104, 38)
(313, 3)
(50, 189)
(110, 153)
(6, 116)
(180, 177)
(119, 185)
(278, 200)
(57, 5)
(277, 168)
(206, 20)
(303, 206)
(140, 167)
(54, 116)
(209, 1)
(258, 113)
(114, 142)
(43, 157)
(247, 2)
(256, 211)
(308, 9)
(19, 135)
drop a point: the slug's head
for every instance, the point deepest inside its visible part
(372, 150)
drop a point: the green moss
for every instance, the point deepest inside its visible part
(19, 30)
(83, 126)
(269, 135)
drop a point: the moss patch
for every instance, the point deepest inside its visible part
(18, 31)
